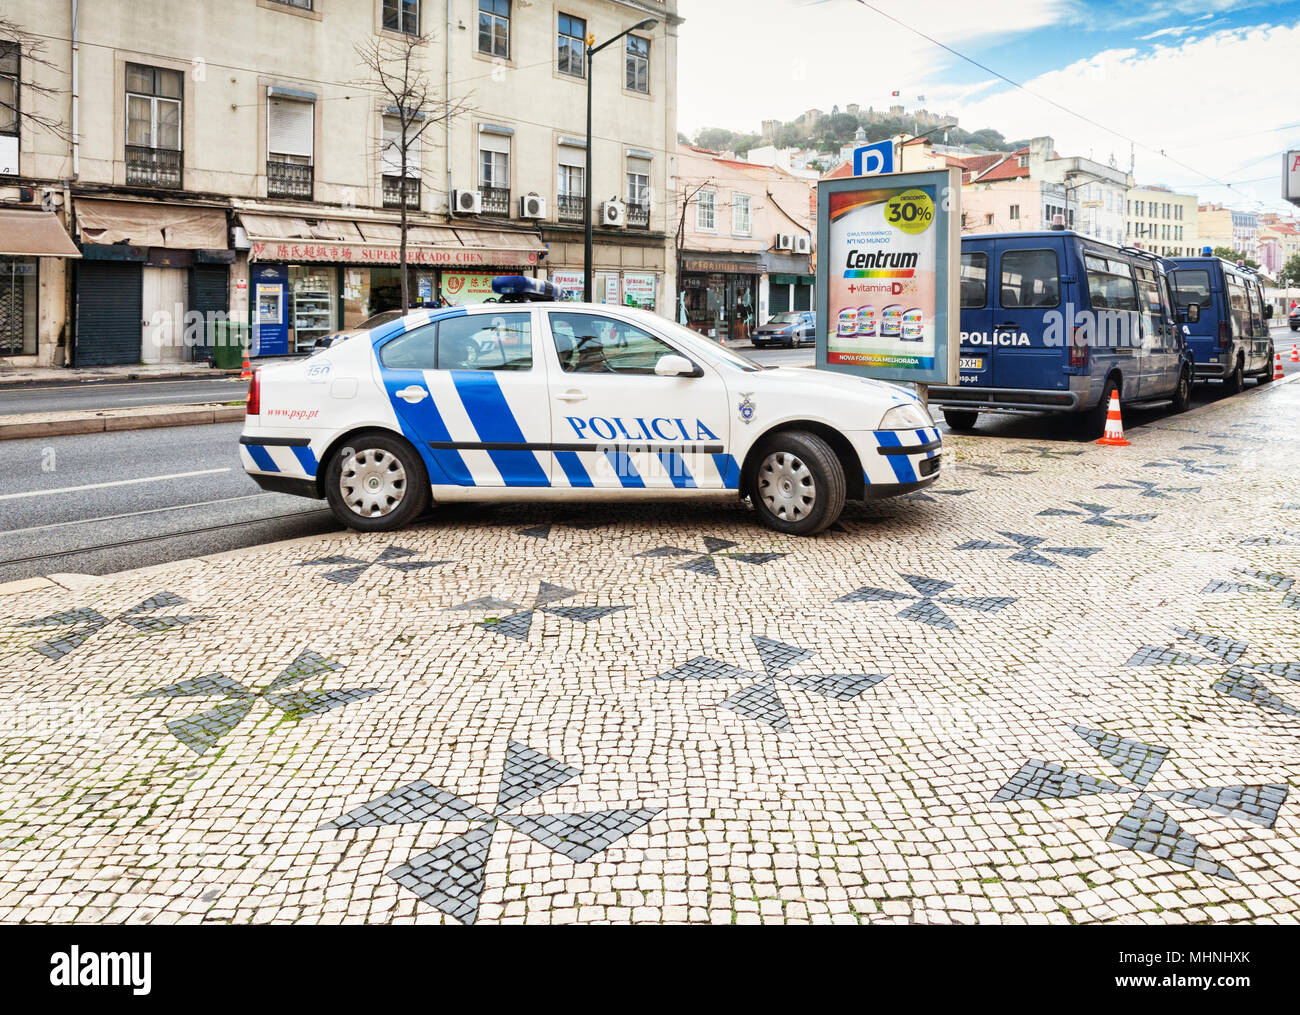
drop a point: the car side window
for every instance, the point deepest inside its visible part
(591, 344)
(975, 280)
(415, 350)
(486, 342)
(1030, 278)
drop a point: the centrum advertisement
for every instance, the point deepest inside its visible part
(884, 276)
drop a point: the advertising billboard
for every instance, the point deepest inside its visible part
(1291, 177)
(889, 251)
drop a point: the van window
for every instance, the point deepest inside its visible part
(1192, 286)
(1238, 307)
(1110, 284)
(1154, 309)
(1256, 308)
(1030, 278)
(974, 281)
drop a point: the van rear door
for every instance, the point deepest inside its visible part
(1029, 288)
(976, 360)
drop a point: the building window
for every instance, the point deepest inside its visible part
(494, 28)
(9, 88)
(741, 221)
(402, 16)
(706, 211)
(638, 65)
(289, 148)
(399, 186)
(153, 126)
(1015, 212)
(638, 194)
(494, 173)
(302, 5)
(572, 184)
(572, 45)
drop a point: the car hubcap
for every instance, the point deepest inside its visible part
(372, 482)
(786, 486)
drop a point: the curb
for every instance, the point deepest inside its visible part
(106, 420)
(52, 382)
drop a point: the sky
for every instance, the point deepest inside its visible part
(1211, 84)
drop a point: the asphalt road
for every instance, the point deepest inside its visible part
(55, 398)
(98, 503)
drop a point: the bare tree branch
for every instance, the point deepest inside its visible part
(30, 49)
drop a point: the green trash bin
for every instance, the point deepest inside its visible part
(230, 341)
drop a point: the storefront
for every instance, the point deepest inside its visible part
(28, 240)
(310, 277)
(720, 295)
(789, 282)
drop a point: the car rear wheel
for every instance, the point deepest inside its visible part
(376, 483)
(1183, 393)
(1235, 381)
(1094, 420)
(1266, 376)
(798, 487)
(960, 419)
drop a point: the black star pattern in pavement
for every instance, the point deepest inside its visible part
(1241, 682)
(930, 495)
(1187, 465)
(450, 877)
(759, 700)
(1039, 452)
(1291, 600)
(985, 469)
(1030, 549)
(1284, 537)
(706, 563)
(86, 622)
(1145, 826)
(517, 625)
(395, 558)
(199, 732)
(1095, 514)
(1147, 489)
(925, 607)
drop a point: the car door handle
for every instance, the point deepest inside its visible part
(572, 395)
(412, 393)
(1007, 326)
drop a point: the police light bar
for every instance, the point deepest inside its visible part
(1207, 251)
(521, 289)
(1058, 221)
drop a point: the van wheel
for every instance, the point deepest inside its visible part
(376, 483)
(960, 419)
(1267, 376)
(1235, 381)
(798, 487)
(1094, 420)
(1183, 393)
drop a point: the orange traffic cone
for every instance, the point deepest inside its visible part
(1114, 435)
(1295, 353)
(247, 373)
(1277, 370)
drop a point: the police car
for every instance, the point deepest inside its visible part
(533, 399)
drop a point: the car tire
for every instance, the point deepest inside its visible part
(1183, 392)
(798, 484)
(376, 483)
(1267, 376)
(1094, 420)
(960, 419)
(757, 345)
(1235, 381)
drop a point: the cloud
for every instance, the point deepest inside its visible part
(1174, 30)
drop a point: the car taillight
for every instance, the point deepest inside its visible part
(1078, 349)
(253, 406)
(1225, 333)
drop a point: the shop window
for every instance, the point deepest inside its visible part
(494, 28)
(17, 306)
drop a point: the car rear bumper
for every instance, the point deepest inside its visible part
(1008, 399)
(1209, 370)
(295, 485)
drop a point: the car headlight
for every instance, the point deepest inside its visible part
(911, 416)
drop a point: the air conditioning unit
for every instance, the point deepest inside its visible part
(467, 202)
(613, 214)
(802, 245)
(532, 207)
(784, 241)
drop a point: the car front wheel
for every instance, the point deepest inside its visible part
(376, 483)
(960, 419)
(798, 486)
(1183, 393)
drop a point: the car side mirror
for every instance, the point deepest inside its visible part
(1193, 313)
(1268, 311)
(677, 366)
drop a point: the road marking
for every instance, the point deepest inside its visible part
(136, 514)
(116, 482)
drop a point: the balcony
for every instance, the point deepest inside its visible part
(153, 167)
(393, 192)
(289, 179)
(496, 201)
(571, 208)
(638, 216)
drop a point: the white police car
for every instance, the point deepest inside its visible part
(532, 399)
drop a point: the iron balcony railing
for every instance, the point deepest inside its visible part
(638, 216)
(153, 167)
(571, 209)
(496, 201)
(288, 179)
(393, 192)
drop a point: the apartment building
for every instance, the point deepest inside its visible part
(1159, 220)
(1220, 226)
(238, 157)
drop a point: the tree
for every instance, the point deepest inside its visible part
(688, 195)
(1228, 254)
(405, 95)
(1290, 273)
(17, 45)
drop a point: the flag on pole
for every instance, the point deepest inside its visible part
(920, 98)
(895, 94)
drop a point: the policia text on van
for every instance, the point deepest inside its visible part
(1054, 322)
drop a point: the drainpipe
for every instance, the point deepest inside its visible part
(446, 100)
(76, 96)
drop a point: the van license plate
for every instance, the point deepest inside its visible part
(972, 363)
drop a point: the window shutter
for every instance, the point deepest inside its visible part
(572, 156)
(289, 127)
(392, 151)
(494, 143)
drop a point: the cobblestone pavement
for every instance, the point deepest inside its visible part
(1059, 687)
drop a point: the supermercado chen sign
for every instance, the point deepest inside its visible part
(888, 250)
(364, 253)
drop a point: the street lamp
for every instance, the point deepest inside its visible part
(592, 50)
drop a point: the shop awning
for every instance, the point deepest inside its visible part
(289, 239)
(26, 233)
(179, 227)
(722, 263)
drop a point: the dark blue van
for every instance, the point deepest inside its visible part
(1230, 340)
(1054, 321)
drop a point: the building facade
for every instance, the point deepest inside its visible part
(1220, 226)
(1159, 220)
(241, 159)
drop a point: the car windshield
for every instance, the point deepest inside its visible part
(706, 347)
(786, 319)
(1192, 286)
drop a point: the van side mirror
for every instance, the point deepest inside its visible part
(1193, 313)
(677, 366)
(1268, 311)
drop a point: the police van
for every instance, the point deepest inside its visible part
(532, 399)
(1230, 339)
(1054, 321)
